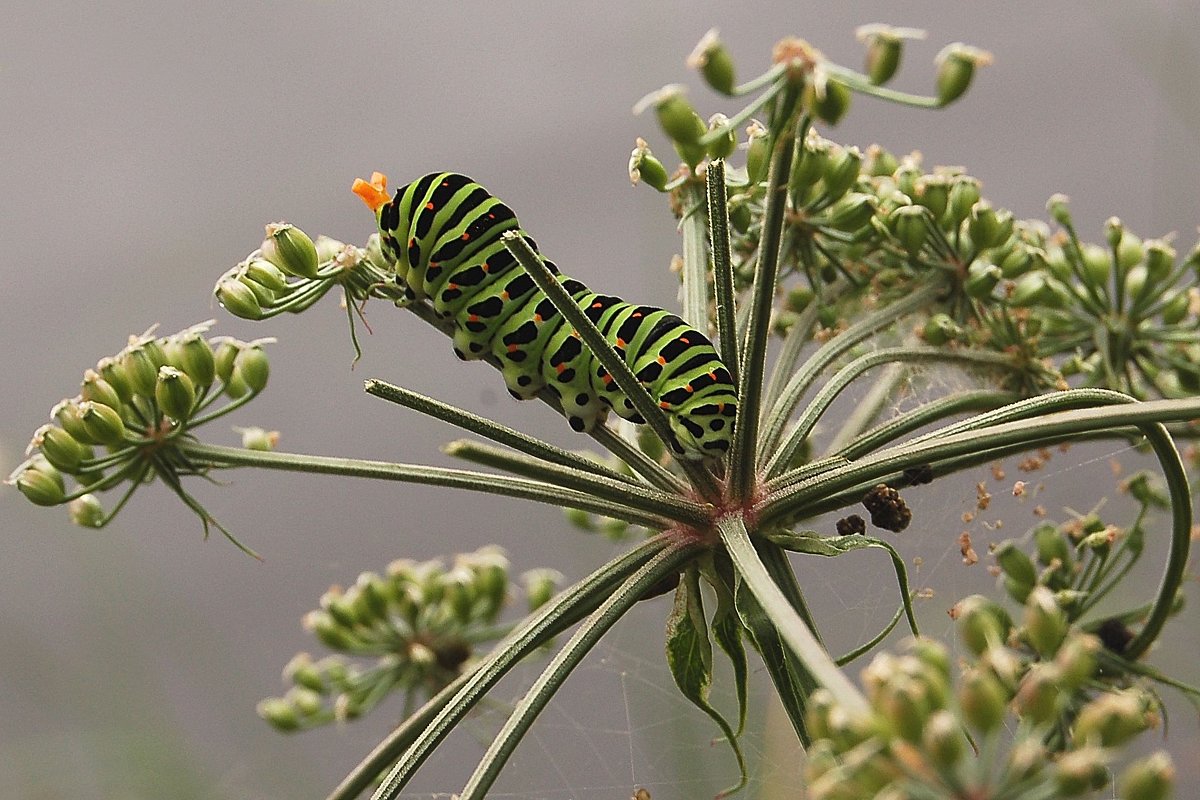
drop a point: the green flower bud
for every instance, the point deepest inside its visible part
(1113, 231)
(1057, 207)
(841, 171)
(102, 422)
(676, 115)
(1015, 589)
(643, 166)
(1129, 251)
(1175, 310)
(303, 672)
(374, 252)
(714, 62)
(1136, 281)
(981, 622)
(1080, 771)
(111, 370)
(1151, 778)
(175, 393)
(723, 146)
(86, 511)
(884, 47)
(828, 101)
(265, 274)
(99, 390)
(758, 152)
(987, 227)
(1013, 561)
(798, 298)
(224, 357)
(540, 586)
(1045, 622)
(908, 225)
(60, 448)
(852, 213)
(1022, 259)
(940, 329)
(933, 192)
(964, 194)
(1051, 545)
(906, 707)
(809, 165)
(67, 414)
(692, 153)
(290, 249)
(194, 355)
(982, 699)
(279, 713)
(879, 162)
(1030, 289)
(252, 367)
(981, 279)
(1112, 719)
(139, 365)
(1039, 693)
(1144, 487)
(307, 702)
(238, 299)
(956, 65)
(581, 519)
(254, 438)
(942, 738)
(39, 481)
(1076, 659)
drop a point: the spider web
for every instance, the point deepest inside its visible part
(620, 724)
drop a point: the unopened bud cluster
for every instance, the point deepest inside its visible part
(926, 730)
(800, 80)
(290, 272)
(413, 630)
(130, 410)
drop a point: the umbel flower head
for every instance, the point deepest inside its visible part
(132, 420)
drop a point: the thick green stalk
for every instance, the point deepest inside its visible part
(564, 662)
(754, 351)
(567, 477)
(482, 426)
(565, 609)
(694, 225)
(718, 223)
(786, 452)
(1051, 427)
(803, 379)
(792, 628)
(701, 479)
(636, 508)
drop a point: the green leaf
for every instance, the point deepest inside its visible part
(689, 655)
(813, 544)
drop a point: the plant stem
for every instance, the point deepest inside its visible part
(718, 222)
(695, 258)
(791, 627)
(636, 508)
(482, 426)
(754, 351)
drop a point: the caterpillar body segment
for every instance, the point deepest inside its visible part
(443, 234)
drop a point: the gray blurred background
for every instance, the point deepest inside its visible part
(145, 145)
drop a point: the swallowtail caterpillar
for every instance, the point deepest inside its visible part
(443, 233)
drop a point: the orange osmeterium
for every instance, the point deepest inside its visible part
(373, 193)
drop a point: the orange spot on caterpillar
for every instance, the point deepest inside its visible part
(607, 379)
(504, 295)
(512, 348)
(636, 315)
(372, 192)
(620, 342)
(690, 388)
(560, 368)
(684, 339)
(429, 205)
(597, 304)
(484, 266)
(664, 404)
(466, 236)
(473, 318)
(661, 360)
(537, 318)
(451, 286)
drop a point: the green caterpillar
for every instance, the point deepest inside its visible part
(443, 233)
